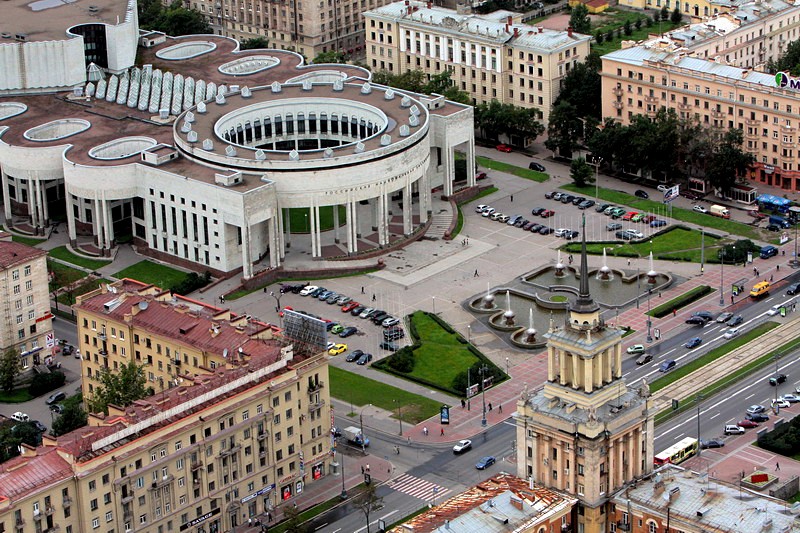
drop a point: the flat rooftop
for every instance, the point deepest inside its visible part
(48, 20)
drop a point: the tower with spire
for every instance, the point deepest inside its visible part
(585, 431)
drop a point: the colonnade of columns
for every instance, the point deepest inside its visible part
(38, 210)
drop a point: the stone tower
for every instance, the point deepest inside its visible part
(585, 432)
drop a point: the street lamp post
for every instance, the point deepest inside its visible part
(638, 284)
(721, 270)
(399, 416)
(649, 321)
(597, 160)
(305, 217)
(507, 371)
(469, 334)
(483, 394)
(361, 426)
(698, 399)
(278, 306)
(344, 490)
(434, 304)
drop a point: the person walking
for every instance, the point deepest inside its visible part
(777, 466)
(373, 297)
(476, 273)
(675, 311)
(441, 434)
(425, 431)
(500, 407)
(362, 290)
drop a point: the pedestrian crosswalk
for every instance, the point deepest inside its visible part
(418, 487)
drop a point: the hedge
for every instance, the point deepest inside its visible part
(681, 300)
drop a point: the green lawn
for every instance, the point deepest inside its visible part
(682, 371)
(65, 255)
(359, 390)
(440, 357)
(512, 169)
(300, 220)
(63, 274)
(685, 215)
(675, 244)
(30, 241)
(618, 21)
(148, 272)
(15, 396)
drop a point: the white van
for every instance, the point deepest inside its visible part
(20, 417)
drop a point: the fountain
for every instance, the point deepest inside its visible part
(651, 274)
(530, 333)
(508, 316)
(488, 300)
(559, 273)
(605, 273)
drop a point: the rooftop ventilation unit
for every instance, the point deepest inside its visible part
(159, 154)
(229, 179)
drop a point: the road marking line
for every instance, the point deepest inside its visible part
(715, 416)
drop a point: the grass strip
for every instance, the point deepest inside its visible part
(675, 243)
(155, 273)
(685, 215)
(682, 300)
(30, 241)
(15, 396)
(359, 390)
(732, 378)
(307, 514)
(235, 295)
(65, 255)
(520, 172)
(711, 356)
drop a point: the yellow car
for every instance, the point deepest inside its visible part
(337, 349)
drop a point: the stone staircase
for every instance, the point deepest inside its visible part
(440, 223)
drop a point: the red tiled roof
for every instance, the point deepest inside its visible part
(22, 475)
(14, 253)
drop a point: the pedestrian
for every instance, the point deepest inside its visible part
(425, 431)
(777, 268)
(441, 434)
(512, 198)
(770, 278)
(362, 290)
(777, 466)
(758, 273)
(409, 439)
(223, 298)
(467, 240)
(569, 259)
(500, 407)
(629, 262)
(367, 471)
(362, 470)
(731, 299)
(269, 516)
(755, 272)
(674, 312)
(490, 406)
(265, 290)
(783, 253)
(463, 403)
(249, 522)
(702, 270)
(373, 297)
(469, 405)
(476, 273)
(659, 294)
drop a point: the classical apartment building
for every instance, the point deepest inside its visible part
(24, 301)
(491, 57)
(585, 433)
(643, 79)
(308, 27)
(221, 445)
(699, 9)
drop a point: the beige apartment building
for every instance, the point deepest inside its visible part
(491, 57)
(203, 456)
(27, 323)
(308, 27)
(643, 79)
(698, 9)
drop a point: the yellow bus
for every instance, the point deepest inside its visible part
(677, 453)
(759, 290)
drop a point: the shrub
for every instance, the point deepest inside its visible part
(192, 282)
(402, 360)
(472, 376)
(680, 301)
(44, 383)
(784, 439)
(599, 37)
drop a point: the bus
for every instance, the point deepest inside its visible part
(677, 453)
(759, 290)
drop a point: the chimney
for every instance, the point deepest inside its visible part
(516, 32)
(430, 4)
(540, 29)
(516, 502)
(509, 20)
(569, 31)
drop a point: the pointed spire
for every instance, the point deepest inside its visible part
(584, 303)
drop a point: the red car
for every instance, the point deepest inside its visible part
(756, 215)
(350, 306)
(287, 308)
(747, 424)
(648, 219)
(503, 148)
(547, 213)
(629, 215)
(481, 176)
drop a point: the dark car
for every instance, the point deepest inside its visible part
(357, 310)
(68, 349)
(578, 200)
(713, 443)
(56, 397)
(521, 222)
(536, 166)
(571, 235)
(694, 342)
(601, 207)
(641, 194)
(658, 223)
(696, 321)
(705, 315)
(380, 317)
(666, 366)
(57, 408)
(41, 428)
(392, 334)
(391, 346)
(613, 226)
(757, 417)
(352, 356)
(536, 227)
(485, 463)
(364, 359)
(545, 230)
(549, 194)
(777, 379)
(537, 211)
(774, 227)
(567, 199)
(586, 204)
(735, 320)
(624, 235)
(330, 325)
(346, 332)
(794, 288)
(644, 359)
(528, 226)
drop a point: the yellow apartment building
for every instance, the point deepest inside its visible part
(491, 57)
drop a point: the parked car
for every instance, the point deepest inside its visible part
(578, 200)
(747, 423)
(635, 349)
(756, 215)
(349, 306)
(644, 359)
(485, 462)
(755, 409)
(364, 359)
(68, 349)
(780, 403)
(586, 204)
(699, 208)
(462, 446)
(641, 194)
(547, 213)
(777, 379)
(365, 313)
(393, 333)
(549, 194)
(624, 235)
(41, 428)
(713, 443)
(357, 310)
(337, 349)
(521, 223)
(480, 176)
(528, 226)
(793, 289)
(389, 322)
(56, 397)
(533, 165)
(391, 346)
(791, 398)
(308, 290)
(502, 218)
(57, 408)
(658, 223)
(629, 215)
(489, 211)
(613, 226)
(19, 416)
(694, 342)
(666, 366)
(513, 219)
(546, 230)
(572, 234)
(567, 198)
(774, 227)
(733, 429)
(537, 211)
(353, 356)
(634, 233)
(600, 208)
(480, 208)
(638, 217)
(695, 321)
(561, 232)
(758, 417)
(346, 332)
(663, 188)
(503, 148)
(536, 227)
(705, 315)
(343, 300)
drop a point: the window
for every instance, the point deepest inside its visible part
(142, 518)
(109, 516)
(95, 523)
(27, 270)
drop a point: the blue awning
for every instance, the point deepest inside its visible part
(774, 200)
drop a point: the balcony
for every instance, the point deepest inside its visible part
(66, 501)
(53, 529)
(651, 100)
(102, 336)
(37, 515)
(719, 115)
(262, 435)
(684, 107)
(315, 406)
(49, 510)
(616, 104)
(19, 522)
(622, 526)
(617, 91)
(196, 465)
(102, 352)
(315, 387)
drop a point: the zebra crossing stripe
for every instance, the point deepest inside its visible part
(418, 488)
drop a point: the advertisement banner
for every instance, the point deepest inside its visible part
(672, 193)
(444, 415)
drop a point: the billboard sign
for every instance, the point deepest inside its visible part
(672, 193)
(305, 329)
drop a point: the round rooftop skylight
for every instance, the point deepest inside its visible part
(11, 109)
(186, 50)
(122, 148)
(248, 65)
(57, 129)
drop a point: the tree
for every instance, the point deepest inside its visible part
(727, 163)
(368, 501)
(563, 129)
(580, 172)
(610, 35)
(579, 19)
(71, 418)
(582, 88)
(331, 56)
(638, 23)
(443, 84)
(256, 43)
(656, 16)
(789, 61)
(10, 368)
(494, 118)
(173, 20)
(27, 433)
(598, 36)
(293, 522)
(664, 13)
(676, 17)
(627, 27)
(121, 387)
